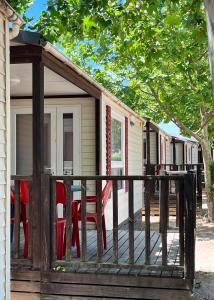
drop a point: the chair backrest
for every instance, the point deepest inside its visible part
(106, 193)
(24, 191)
(60, 193)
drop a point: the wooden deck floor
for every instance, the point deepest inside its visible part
(123, 255)
(139, 255)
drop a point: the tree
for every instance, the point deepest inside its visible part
(21, 6)
(152, 54)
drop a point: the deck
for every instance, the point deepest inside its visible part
(123, 255)
(142, 260)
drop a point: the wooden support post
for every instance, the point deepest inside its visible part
(38, 158)
(83, 223)
(131, 221)
(45, 225)
(148, 187)
(115, 222)
(148, 147)
(99, 222)
(190, 217)
(164, 208)
(53, 214)
(68, 212)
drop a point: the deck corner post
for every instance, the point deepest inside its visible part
(190, 220)
(45, 226)
(38, 159)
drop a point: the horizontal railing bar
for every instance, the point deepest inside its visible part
(79, 264)
(123, 177)
(175, 164)
(21, 177)
(21, 262)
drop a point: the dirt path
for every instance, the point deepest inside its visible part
(204, 287)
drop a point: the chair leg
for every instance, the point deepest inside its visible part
(104, 232)
(26, 234)
(59, 239)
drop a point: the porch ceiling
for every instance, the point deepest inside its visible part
(54, 84)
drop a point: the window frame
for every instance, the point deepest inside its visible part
(120, 164)
(121, 119)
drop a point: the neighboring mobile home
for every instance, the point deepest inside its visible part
(159, 149)
(87, 130)
(7, 14)
(184, 150)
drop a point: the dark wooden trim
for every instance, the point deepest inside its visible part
(52, 97)
(97, 136)
(25, 54)
(69, 74)
(38, 159)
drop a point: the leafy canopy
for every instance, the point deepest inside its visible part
(151, 54)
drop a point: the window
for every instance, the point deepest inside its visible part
(117, 149)
(116, 140)
(68, 144)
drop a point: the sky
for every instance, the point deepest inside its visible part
(34, 11)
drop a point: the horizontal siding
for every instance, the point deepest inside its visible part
(2, 161)
(135, 165)
(195, 154)
(153, 147)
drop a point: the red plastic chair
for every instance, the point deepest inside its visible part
(92, 216)
(61, 222)
(24, 200)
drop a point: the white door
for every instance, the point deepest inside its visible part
(61, 140)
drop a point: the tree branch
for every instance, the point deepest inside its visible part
(174, 119)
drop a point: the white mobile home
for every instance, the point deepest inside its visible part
(184, 150)
(7, 14)
(158, 152)
(87, 130)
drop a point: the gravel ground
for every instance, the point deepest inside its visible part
(204, 283)
(204, 262)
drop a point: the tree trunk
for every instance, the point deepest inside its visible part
(206, 150)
